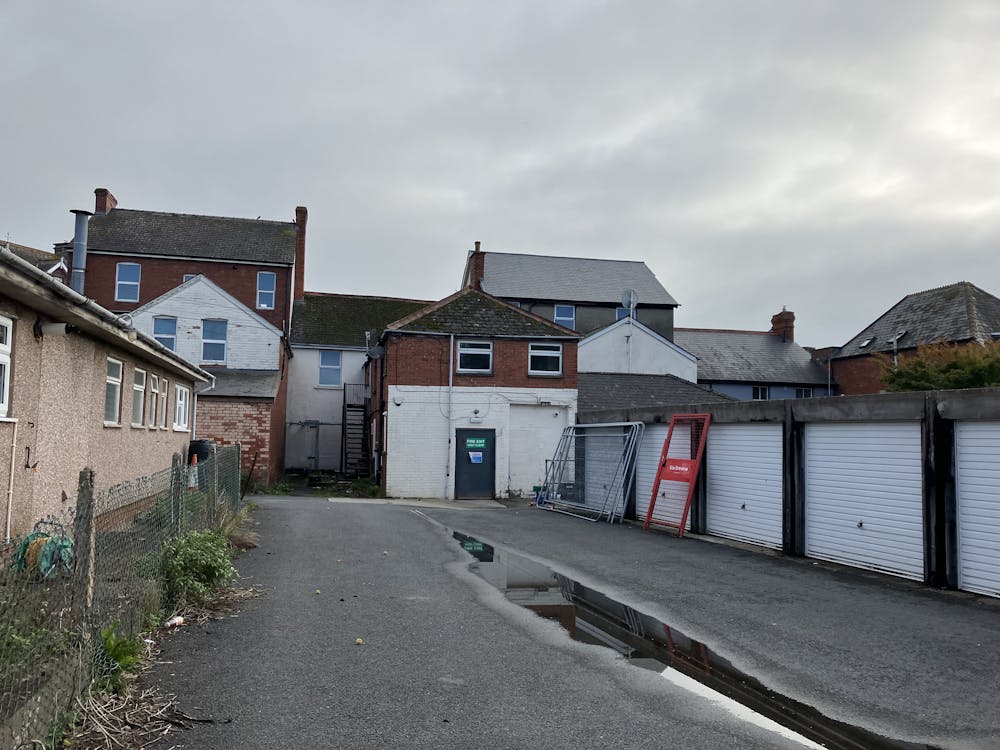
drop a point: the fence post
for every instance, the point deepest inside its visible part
(83, 548)
(176, 491)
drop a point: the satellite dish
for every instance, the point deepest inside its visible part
(630, 300)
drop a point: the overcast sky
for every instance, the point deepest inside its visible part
(830, 157)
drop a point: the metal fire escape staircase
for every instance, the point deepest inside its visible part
(355, 431)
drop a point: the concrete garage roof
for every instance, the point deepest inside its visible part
(243, 384)
(597, 391)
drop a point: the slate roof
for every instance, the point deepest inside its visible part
(38, 258)
(953, 313)
(131, 232)
(342, 319)
(749, 357)
(597, 391)
(242, 383)
(546, 277)
(472, 313)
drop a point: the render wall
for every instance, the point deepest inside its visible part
(57, 399)
(310, 401)
(160, 275)
(590, 317)
(250, 345)
(631, 350)
(420, 447)
(744, 391)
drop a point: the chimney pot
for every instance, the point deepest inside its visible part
(301, 215)
(477, 246)
(104, 201)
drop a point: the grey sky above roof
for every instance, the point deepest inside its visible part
(828, 156)
(578, 279)
(749, 356)
(957, 312)
(217, 237)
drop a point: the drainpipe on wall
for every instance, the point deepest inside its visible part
(10, 484)
(451, 372)
(194, 408)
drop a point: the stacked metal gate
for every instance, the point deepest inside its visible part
(592, 471)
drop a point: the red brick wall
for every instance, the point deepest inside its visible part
(857, 375)
(228, 421)
(277, 439)
(423, 360)
(160, 275)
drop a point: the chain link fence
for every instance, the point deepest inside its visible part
(92, 567)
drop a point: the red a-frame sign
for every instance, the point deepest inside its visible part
(674, 467)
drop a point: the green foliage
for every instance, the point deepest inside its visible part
(364, 488)
(120, 656)
(283, 486)
(30, 632)
(195, 564)
(944, 367)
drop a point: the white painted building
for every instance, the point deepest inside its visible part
(208, 326)
(630, 348)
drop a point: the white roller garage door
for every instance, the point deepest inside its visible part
(864, 503)
(744, 474)
(670, 502)
(977, 470)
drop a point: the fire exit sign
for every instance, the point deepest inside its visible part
(475, 444)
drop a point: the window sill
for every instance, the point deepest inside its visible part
(544, 374)
(181, 429)
(480, 373)
(139, 426)
(116, 425)
(328, 387)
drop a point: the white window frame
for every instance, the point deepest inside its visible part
(760, 393)
(139, 397)
(477, 348)
(329, 369)
(204, 341)
(273, 291)
(172, 346)
(804, 392)
(119, 283)
(6, 338)
(164, 401)
(154, 399)
(566, 321)
(115, 384)
(547, 351)
(187, 277)
(182, 401)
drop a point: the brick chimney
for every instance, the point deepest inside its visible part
(783, 324)
(301, 214)
(477, 269)
(104, 202)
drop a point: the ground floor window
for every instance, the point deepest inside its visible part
(182, 396)
(113, 392)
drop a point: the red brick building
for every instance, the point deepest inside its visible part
(469, 397)
(961, 314)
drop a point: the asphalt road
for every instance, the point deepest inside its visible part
(894, 657)
(446, 662)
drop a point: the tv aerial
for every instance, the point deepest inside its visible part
(630, 300)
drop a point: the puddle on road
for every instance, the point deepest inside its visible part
(591, 617)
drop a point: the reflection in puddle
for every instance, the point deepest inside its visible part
(591, 617)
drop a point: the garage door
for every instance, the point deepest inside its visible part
(864, 503)
(670, 503)
(744, 474)
(977, 454)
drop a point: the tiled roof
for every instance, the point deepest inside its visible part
(599, 390)
(749, 357)
(953, 313)
(472, 313)
(130, 232)
(343, 319)
(243, 383)
(38, 258)
(546, 277)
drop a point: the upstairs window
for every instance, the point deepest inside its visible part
(165, 331)
(329, 368)
(803, 393)
(623, 312)
(6, 334)
(127, 282)
(475, 356)
(138, 398)
(761, 393)
(113, 392)
(213, 340)
(565, 315)
(181, 398)
(266, 282)
(545, 359)
(188, 276)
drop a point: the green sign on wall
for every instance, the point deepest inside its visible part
(475, 444)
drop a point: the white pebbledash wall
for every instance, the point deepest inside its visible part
(421, 439)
